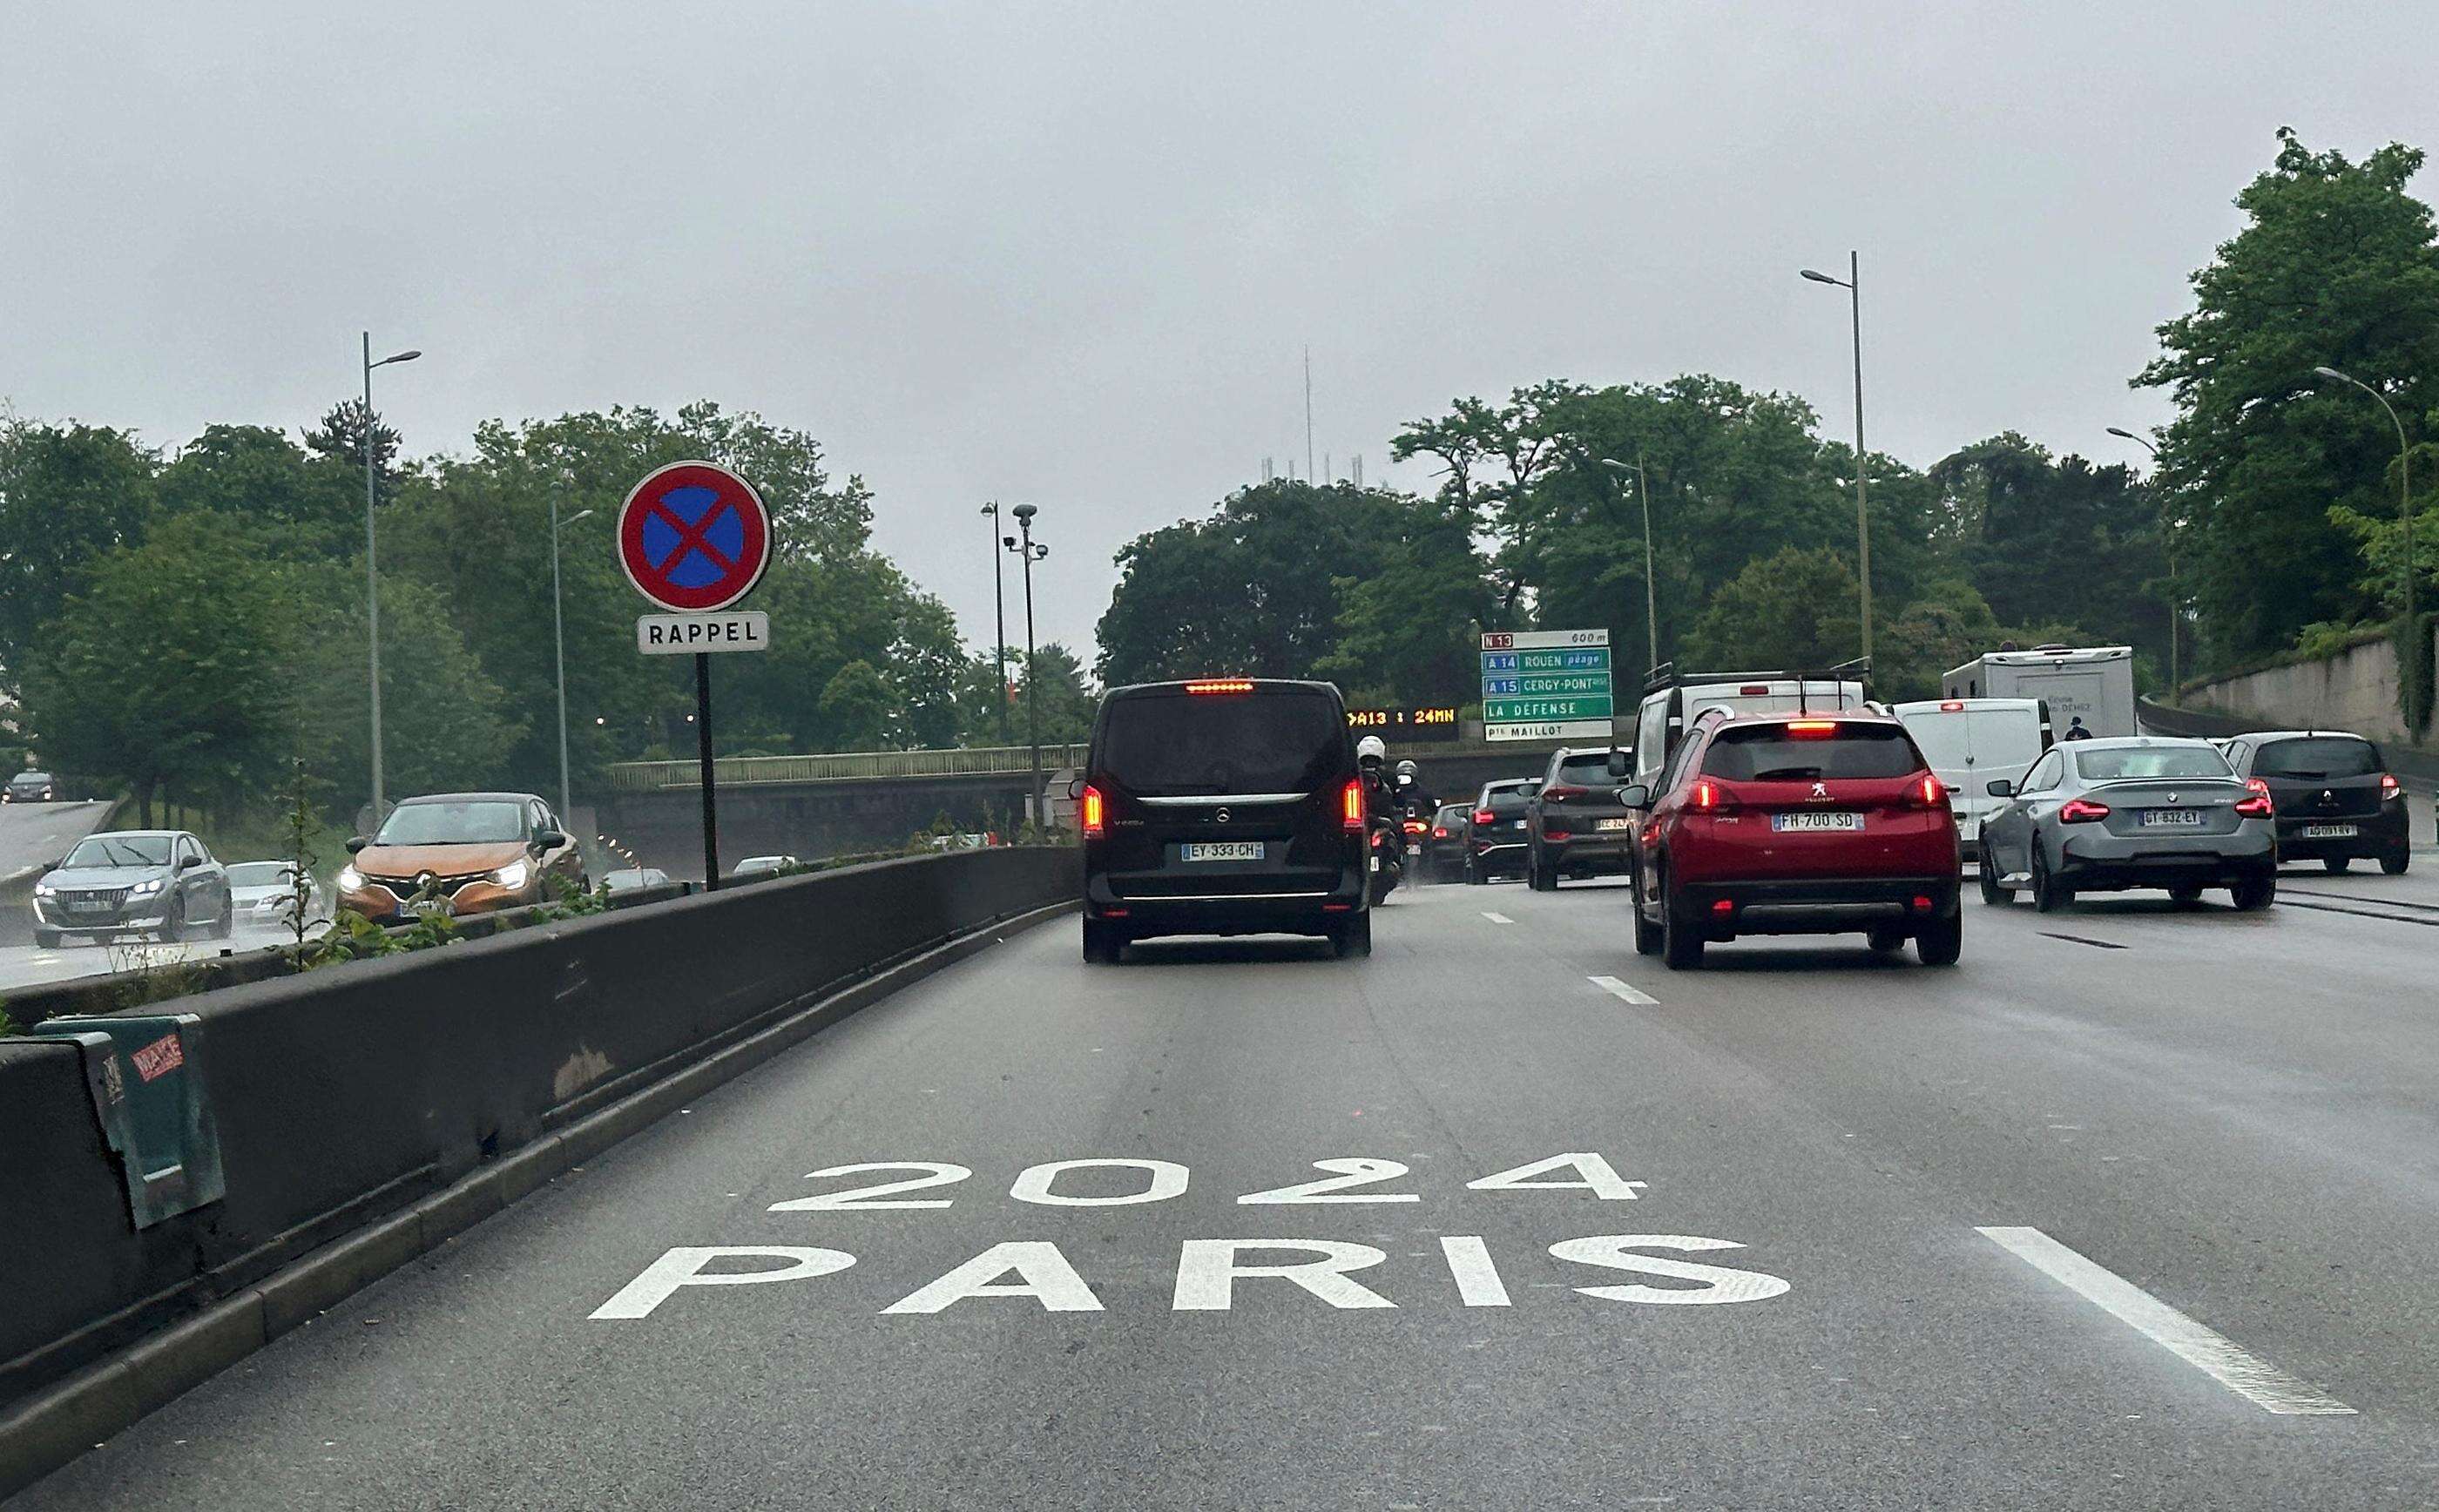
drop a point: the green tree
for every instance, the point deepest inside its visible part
(2336, 265)
(169, 669)
(69, 495)
(1068, 703)
(1794, 609)
(1253, 589)
(300, 503)
(858, 702)
(1408, 632)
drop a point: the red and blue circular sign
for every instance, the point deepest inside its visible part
(694, 537)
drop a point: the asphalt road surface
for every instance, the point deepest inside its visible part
(34, 835)
(2134, 1208)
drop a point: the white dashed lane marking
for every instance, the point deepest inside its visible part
(1497, 918)
(2255, 1379)
(1619, 989)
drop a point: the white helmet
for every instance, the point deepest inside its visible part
(1371, 748)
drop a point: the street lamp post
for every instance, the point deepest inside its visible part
(2404, 488)
(372, 574)
(2175, 604)
(559, 650)
(999, 623)
(1651, 594)
(1853, 284)
(1031, 553)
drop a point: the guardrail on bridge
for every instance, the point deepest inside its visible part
(844, 766)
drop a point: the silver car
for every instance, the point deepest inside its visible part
(160, 882)
(265, 895)
(2102, 815)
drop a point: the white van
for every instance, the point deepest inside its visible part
(1969, 742)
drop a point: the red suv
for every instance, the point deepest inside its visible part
(1789, 823)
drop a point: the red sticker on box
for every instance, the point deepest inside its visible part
(159, 1059)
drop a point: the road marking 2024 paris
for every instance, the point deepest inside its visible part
(1208, 1270)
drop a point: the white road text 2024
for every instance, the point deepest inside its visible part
(1293, 1271)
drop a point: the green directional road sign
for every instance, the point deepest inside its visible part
(1580, 659)
(1546, 684)
(1510, 709)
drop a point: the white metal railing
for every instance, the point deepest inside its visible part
(845, 766)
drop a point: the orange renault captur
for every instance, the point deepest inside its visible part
(475, 851)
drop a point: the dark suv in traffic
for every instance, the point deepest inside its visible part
(2336, 800)
(1223, 805)
(1575, 825)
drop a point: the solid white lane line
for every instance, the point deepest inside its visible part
(1617, 988)
(1497, 918)
(2249, 1377)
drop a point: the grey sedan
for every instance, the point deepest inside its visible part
(2142, 811)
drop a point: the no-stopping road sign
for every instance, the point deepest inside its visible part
(694, 537)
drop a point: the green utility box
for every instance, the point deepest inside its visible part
(144, 1074)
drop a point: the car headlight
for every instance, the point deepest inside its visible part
(148, 887)
(350, 878)
(513, 876)
(46, 890)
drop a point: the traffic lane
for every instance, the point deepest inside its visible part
(1907, 1361)
(2236, 1110)
(32, 836)
(23, 966)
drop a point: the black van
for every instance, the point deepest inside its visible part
(1223, 805)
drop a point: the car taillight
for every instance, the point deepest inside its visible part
(1439, 831)
(2257, 802)
(1930, 792)
(1483, 816)
(1812, 729)
(1350, 806)
(1220, 684)
(2081, 811)
(1548, 833)
(1563, 793)
(1709, 796)
(2389, 788)
(1094, 807)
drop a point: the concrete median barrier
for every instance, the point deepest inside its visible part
(359, 1104)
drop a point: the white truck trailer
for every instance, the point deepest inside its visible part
(2091, 682)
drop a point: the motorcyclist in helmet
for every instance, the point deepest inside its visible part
(1411, 795)
(1371, 761)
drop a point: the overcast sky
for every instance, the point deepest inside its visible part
(1072, 253)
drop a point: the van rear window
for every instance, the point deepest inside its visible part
(1183, 744)
(1768, 752)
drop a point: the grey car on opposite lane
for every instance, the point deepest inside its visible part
(130, 881)
(2103, 815)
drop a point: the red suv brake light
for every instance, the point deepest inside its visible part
(1563, 791)
(1095, 808)
(1350, 806)
(1708, 796)
(1930, 792)
(1483, 816)
(1812, 729)
(2081, 811)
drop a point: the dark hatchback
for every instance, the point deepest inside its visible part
(2336, 800)
(1496, 841)
(1223, 805)
(1578, 829)
(1445, 842)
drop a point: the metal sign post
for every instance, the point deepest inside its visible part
(695, 538)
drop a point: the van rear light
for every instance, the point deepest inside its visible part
(1222, 684)
(1951, 705)
(2389, 788)
(2081, 811)
(1350, 806)
(1753, 690)
(1093, 811)
(1812, 729)
(2257, 802)
(1483, 816)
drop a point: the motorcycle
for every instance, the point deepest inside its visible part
(1388, 863)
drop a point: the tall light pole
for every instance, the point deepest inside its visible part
(2175, 604)
(2404, 488)
(999, 623)
(1650, 594)
(559, 650)
(1853, 284)
(372, 574)
(1031, 554)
